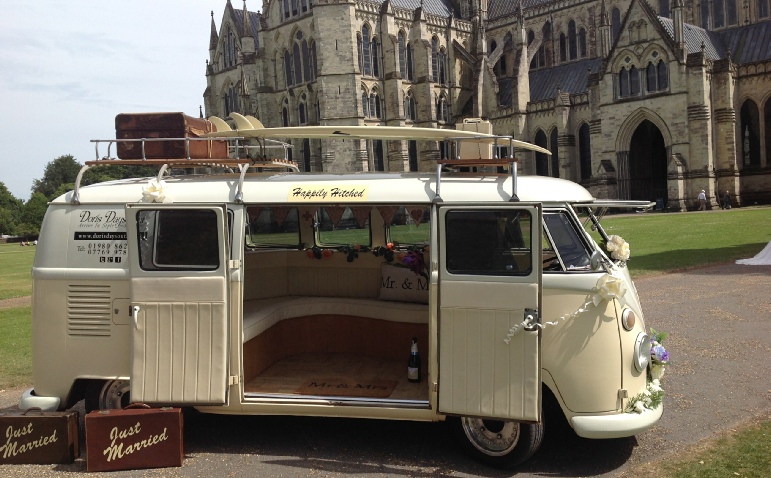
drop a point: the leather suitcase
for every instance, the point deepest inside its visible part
(134, 438)
(166, 125)
(37, 437)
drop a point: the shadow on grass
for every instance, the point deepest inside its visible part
(676, 260)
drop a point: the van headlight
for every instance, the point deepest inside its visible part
(642, 351)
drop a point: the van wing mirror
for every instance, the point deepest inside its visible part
(595, 260)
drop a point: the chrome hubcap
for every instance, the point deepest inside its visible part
(114, 395)
(494, 438)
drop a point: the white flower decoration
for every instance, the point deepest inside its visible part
(608, 288)
(154, 191)
(618, 248)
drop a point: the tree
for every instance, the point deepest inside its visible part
(32, 215)
(61, 170)
(10, 211)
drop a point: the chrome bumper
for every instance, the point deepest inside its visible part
(617, 425)
(30, 400)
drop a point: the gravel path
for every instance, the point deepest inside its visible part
(719, 318)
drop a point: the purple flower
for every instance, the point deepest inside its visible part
(660, 354)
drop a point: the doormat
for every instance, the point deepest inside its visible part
(348, 388)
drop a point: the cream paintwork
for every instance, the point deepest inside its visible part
(60, 359)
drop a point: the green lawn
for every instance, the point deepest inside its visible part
(15, 270)
(15, 349)
(663, 242)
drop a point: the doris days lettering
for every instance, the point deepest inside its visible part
(327, 193)
(18, 440)
(109, 220)
(126, 441)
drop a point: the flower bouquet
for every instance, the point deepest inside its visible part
(659, 355)
(618, 248)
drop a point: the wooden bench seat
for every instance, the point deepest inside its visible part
(261, 314)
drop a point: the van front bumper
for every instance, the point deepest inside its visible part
(617, 425)
(30, 400)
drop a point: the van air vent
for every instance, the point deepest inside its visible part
(88, 310)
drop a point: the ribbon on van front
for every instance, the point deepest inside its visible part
(608, 288)
(155, 191)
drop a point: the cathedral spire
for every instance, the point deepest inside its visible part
(213, 38)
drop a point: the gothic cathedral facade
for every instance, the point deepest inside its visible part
(635, 100)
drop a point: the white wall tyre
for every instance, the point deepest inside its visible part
(502, 444)
(107, 395)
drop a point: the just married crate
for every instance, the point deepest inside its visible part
(38, 437)
(136, 437)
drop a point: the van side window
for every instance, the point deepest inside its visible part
(272, 227)
(489, 242)
(563, 249)
(178, 239)
(410, 226)
(342, 226)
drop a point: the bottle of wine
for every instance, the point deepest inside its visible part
(413, 364)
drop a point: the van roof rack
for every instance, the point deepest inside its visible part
(243, 164)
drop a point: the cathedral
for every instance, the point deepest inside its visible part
(635, 100)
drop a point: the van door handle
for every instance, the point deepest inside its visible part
(134, 312)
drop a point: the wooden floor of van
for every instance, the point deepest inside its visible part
(339, 375)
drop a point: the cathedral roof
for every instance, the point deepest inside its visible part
(748, 43)
(434, 7)
(695, 37)
(254, 21)
(569, 78)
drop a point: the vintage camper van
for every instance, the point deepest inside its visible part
(255, 289)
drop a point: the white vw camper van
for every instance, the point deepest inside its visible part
(269, 291)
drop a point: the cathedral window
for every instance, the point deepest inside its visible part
(664, 8)
(623, 83)
(286, 9)
(364, 104)
(374, 105)
(750, 134)
(582, 42)
(563, 48)
(543, 57)
(656, 76)
(366, 51)
(302, 110)
(634, 81)
(409, 107)
(285, 113)
(615, 23)
(442, 112)
(402, 55)
(375, 58)
(230, 100)
(298, 64)
(434, 59)
(304, 5)
(410, 71)
(294, 7)
(314, 61)
(442, 66)
(572, 40)
(541, 159)
(288, 68)
(706, 19)
(307, 71)
(718, 12)
(585, 152)
(762, 8)
(731, 13)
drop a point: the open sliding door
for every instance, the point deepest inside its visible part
(490, 278)
(179, 289)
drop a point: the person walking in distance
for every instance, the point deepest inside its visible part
(726, 201)
(702, 197)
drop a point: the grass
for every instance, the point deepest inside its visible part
(659, 242)
(15, 347)
(665, 242)
(15, 270)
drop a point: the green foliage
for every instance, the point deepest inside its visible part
(10, 211)
(62, 170)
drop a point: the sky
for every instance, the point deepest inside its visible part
(68, 67)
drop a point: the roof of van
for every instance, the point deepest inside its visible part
(400, 188)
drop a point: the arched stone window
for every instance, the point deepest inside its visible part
(402, 54)
(442, 112)
(582, 42)
(442, 66)
(410, 71)
(366, 51)
(288, 68)
(374, 104)
(434, 58)
(762, 9)
(307, 75)
(615, 23)
(656, 76)
(287, 11)
(314, 62)
(544, 55)
(563, 48)
(706, 17)
(750, 134)
(409, 107)
(298, 64)
(285, 113)
(572, 40)
(623, 83)
(585, 152)
(302, 110)
(364, 104)
(375, 52)
(664, 8)
(634, 81)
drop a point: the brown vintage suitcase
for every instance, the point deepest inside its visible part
(166, 125)
(37, 437)
(134, 438)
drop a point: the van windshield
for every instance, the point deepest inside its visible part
(563, 248)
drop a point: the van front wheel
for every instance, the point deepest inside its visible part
(502, 444)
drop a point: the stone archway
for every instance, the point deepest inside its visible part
(648, 164)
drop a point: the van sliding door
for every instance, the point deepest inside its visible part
(489, 284)
(179, 288)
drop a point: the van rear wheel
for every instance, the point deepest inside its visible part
(107, 395)
(502, 444)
